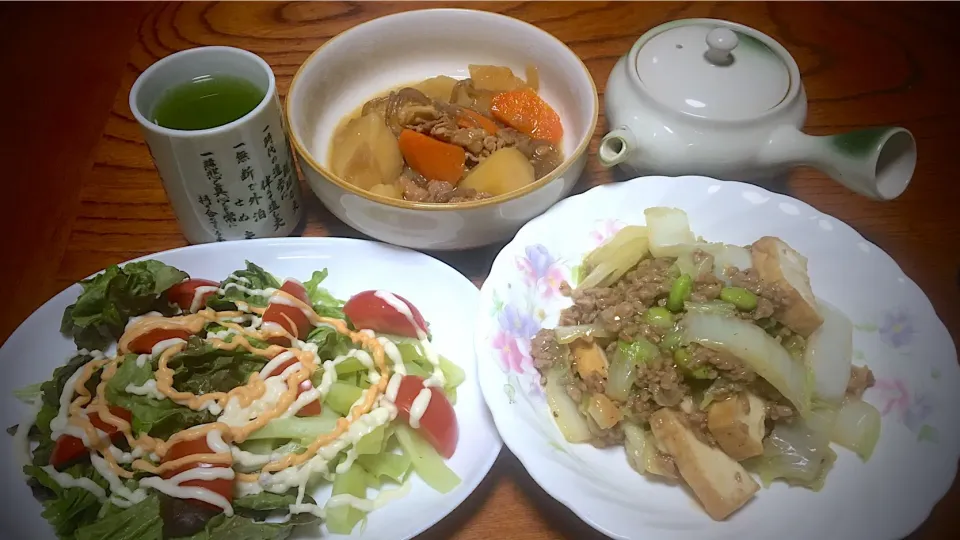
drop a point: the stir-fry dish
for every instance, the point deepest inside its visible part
(707, 362)
(446, 140)
(228, 404)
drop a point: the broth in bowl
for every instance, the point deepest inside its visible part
(444, 140)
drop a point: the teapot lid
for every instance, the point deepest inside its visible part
(707, 69)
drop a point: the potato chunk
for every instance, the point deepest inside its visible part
(778, 263)
(503, 171)
(721, 484)
(439, 88)
(737, 425)
(366, 153)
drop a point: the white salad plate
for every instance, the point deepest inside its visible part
(447, 300)
(898, 335)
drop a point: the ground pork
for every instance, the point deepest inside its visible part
(545, 350)
(730, 366)
(861, 378)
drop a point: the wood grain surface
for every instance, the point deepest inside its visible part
(85, 194)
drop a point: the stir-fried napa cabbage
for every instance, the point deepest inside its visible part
(857, 427)
(669, 231)
(609, 262)
(756, 348)
(762, 313)
(829, 354)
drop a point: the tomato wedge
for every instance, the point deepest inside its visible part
(144, 343)
(369, 310)
(310, 409)
(68, 449)
(191, 294)
(290, 318)
(220, 486)
(438, 424)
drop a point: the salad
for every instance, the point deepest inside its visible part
(226, 405)
(707, 362)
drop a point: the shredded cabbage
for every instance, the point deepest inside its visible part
(857, 427)
(762, 353)
(612, 259)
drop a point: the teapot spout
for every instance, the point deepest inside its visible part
(616, 146)
(875, 162)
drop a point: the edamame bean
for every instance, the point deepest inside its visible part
(740, 297)
(679, 292)
(671, 340)
(682, 357)
(659, 316)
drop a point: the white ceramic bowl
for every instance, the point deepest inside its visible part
(384, 53)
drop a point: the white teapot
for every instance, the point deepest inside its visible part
(716, 98)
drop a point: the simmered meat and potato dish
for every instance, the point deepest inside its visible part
(707, 362)
(445, 140)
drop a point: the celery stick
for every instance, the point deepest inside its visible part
(258, 446)
(388, 464)
(297, 428)
(410, 352)
(342, 519)
(415, 369)
(452, 372)
(350, 365)
(371, 443)
(426, 461)
(373, 481)
(341, 397)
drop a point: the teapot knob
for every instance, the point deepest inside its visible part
(720, 42)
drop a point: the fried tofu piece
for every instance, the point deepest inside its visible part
(590, 358)
(778, 263)
(737, 424)
(721, 484)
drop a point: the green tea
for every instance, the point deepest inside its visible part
(206, 102)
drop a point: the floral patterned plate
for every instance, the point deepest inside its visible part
(898, 335)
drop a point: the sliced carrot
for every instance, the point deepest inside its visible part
(527, 112)
(435, 160)
(473, 119)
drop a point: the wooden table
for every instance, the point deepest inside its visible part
(85, 194)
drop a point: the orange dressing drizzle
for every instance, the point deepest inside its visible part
(244, 394)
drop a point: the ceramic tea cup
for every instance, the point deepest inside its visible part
(225, 182)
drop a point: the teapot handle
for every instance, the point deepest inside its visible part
(616, 146)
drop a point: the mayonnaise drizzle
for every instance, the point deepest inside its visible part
(393, 387)
(266, 395)
(252, 292)
(369, 505)
(149, 388)
(67, 481)
(419, 406)
(173, 487)
(20, 441)
(198, 295)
